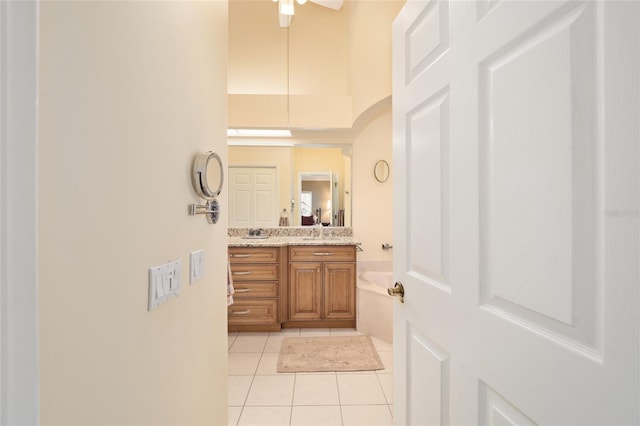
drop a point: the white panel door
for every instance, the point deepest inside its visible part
(253, 196)
(516, 212)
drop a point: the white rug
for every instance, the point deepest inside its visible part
(331, 353)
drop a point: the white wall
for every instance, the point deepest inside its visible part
(130, 92)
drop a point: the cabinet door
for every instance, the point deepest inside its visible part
(305, 291)
(339, 291)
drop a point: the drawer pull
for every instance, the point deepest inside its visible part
(242, 290)
(323, 254)
(247, 312)
(242, 273)
(240, 255)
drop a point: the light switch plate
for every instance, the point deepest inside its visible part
(164, 282)
(196, 270)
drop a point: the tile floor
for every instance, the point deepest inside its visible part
(258, 395)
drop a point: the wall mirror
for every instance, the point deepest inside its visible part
(207, 178)
(265, 180)
(381, 170)
(208, 175)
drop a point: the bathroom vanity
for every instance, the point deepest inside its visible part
(292, 281)
(259, 278)
(322, 286)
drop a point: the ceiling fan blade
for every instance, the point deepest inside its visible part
(285, 20)
(331, 4)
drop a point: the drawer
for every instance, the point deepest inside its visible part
(324, 253)
(253, 312)
(254, 254)
(250, 272)
(253, 289)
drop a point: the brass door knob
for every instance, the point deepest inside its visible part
(397, 291)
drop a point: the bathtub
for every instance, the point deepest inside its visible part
(375, 307)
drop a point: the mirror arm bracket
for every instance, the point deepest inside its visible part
(211, 209)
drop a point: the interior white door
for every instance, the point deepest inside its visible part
(253, 196)
(516, 212)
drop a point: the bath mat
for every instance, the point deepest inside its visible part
(330, 353)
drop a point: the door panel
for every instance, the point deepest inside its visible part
(516, 225)
(339, 291)
(538, 129)
(428, 384)
(253, 196)
(305, 291)
(427, 154)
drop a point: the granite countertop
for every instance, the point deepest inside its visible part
(279, 241)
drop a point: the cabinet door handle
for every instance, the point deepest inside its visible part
(247, 312)
(240, 255)
(242, 273)
(242, 290)
(323, 254)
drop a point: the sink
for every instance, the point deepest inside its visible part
(255, 237)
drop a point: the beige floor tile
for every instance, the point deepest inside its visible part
(238, 389)
(315, 390)
(269, 364)
(249, 342)
(387, 359)
(274, 342)
(265, 416)
(381, 345)
(230, 340)
(271, 390)
(316, 416)
(243, 364)
(287, 331)
(386, 381)
(369, 415)
(233, 415)
(360, 389)
(317, 373)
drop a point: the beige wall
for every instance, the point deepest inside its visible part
(372, 200)
(129, 93)
(316, 75)
(339, 63)
(370, 59)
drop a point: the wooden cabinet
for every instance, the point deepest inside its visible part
(260, 287)
(322, 286)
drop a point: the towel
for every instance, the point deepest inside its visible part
(230, 289)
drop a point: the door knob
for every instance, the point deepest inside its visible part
(397, 291)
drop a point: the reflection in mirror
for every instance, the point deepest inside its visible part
(214, 174)
(316, 199)
(288, 162)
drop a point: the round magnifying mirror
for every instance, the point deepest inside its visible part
(381, 170)
(208, 175)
